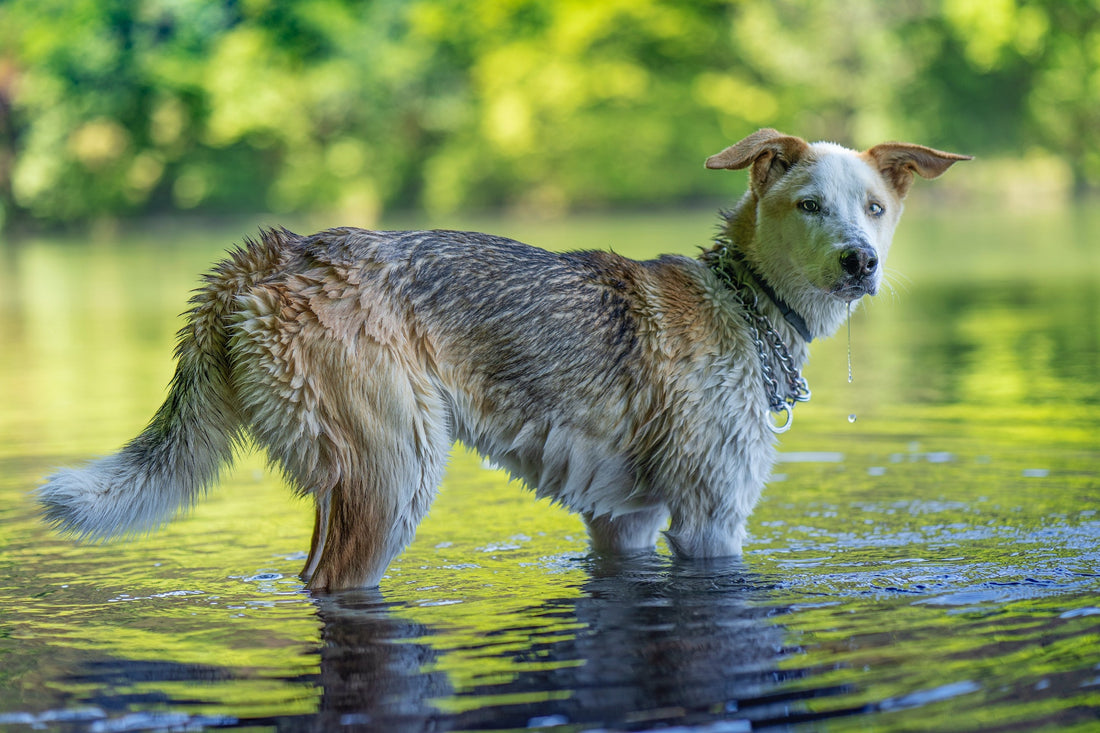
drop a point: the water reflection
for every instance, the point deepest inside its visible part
(375, 666)
(1003, 342)
(648, 641)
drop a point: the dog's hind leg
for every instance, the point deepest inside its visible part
(372, 486)
(320, 532)
(380, 472)
(626, 533)
(351, 419)
(366, 530)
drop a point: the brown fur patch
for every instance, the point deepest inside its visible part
(898, 162)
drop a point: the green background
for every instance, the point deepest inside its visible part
(114, 108)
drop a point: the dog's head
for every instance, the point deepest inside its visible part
(824, 215)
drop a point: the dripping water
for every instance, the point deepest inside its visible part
(849, 342)
(851, 417)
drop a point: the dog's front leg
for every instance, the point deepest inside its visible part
(627, 533)
(719, 535)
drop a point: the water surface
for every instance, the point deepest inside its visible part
(932, 565)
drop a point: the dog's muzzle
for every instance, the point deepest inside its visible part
(859, 267)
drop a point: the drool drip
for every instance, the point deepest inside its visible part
(851, 417)
(849, 342)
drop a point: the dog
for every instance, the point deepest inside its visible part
(638, 394)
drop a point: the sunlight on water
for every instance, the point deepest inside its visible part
(933, 566)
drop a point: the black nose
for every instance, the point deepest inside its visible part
(859, 261)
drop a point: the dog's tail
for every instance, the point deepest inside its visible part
(193, 434)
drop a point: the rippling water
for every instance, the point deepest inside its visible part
(934, 565)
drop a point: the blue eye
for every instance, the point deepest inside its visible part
(809, 206)
(876, 209)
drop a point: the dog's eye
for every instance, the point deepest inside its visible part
(809, 206)
(876, 209)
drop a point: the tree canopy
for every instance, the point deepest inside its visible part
(114, 107)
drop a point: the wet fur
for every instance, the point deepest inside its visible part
(628, 391)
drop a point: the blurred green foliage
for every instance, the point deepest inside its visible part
(112, 107)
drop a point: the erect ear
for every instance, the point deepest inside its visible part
(770, 153)
(897, 162)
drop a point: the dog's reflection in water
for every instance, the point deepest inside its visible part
(645, 641)
(375, 664)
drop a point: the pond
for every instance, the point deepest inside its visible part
(933, 564)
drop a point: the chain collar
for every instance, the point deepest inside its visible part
(769, 344)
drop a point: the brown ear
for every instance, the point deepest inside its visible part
(770, 153)
(899, 161)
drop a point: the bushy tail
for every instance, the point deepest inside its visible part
(192, 435)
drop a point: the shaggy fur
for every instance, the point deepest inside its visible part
(630, 392)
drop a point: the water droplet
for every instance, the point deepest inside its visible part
(852, 418)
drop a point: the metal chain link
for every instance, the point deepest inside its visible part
(766, 339)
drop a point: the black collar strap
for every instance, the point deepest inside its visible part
(793, 317)
(798, 323)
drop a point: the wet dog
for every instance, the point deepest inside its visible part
(637, 394)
